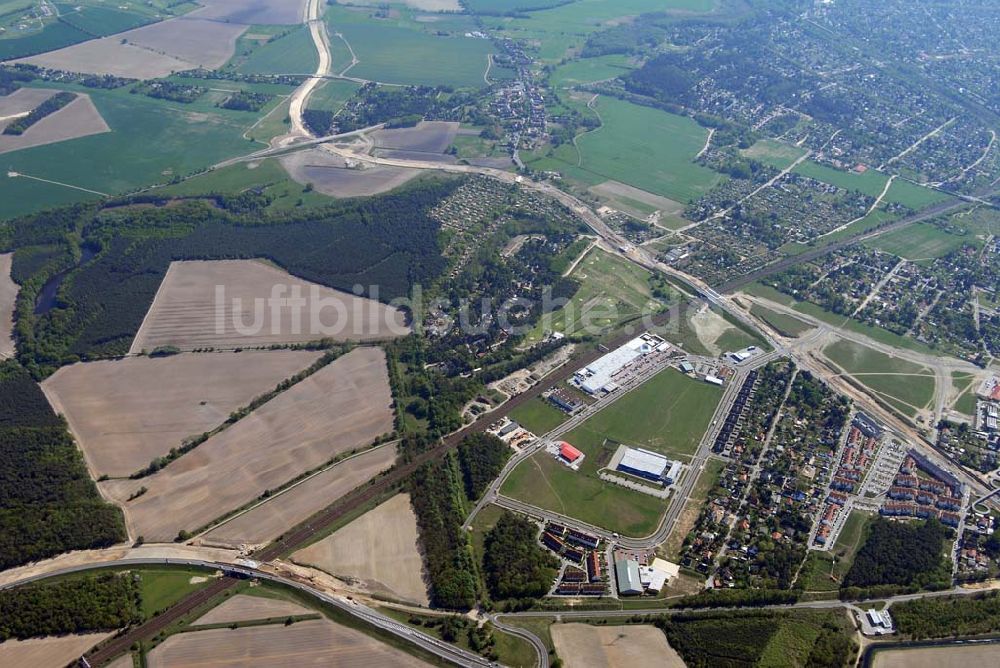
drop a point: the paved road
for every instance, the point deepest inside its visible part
(444, 650)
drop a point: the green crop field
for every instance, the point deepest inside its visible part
(162, 587)
(333, 94)
(544, 482)
(404, 52)
(150, 142)
(589, 70)
(895, 379)
(611, 291)
(538, 416)
(921, 241)
(643, 147)
(872, 183)
(668, 414)
(912, 195)
(295, 53)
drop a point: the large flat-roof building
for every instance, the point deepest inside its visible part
(627, 574)
(598, 376)
(649, 465)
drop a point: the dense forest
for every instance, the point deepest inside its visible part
(949, 617)
(48, 503)
(387, 241)
(482, 457)
(514, 564)
(748, 638)
(897, 553)
(102, 602)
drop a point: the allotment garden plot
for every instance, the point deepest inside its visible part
(125, 413)
(345, 405)
(225, 304)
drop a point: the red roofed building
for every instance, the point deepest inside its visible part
(995, 394)
(568, 452)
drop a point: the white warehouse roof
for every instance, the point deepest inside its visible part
(644, 460)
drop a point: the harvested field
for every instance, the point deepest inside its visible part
(939, 657)
(617, 191)
(21, 102)
(125, 413)
(242, 608)
(311, 643)
(344, 405)
(8, 297)
(154, 50)
(380, 547)
(424, 5)
(585, 646)
(79, 118)
(253, 12)
(122, 662)
(185, 314)
(330, 175)
(269, 520)
(425, 137)
(50, 651)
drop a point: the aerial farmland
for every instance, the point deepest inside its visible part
(8, 295)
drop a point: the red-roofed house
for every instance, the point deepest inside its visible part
(569, 453)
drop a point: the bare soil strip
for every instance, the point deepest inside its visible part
(268, 520)
(124, 413)
(380, 547)
(227, 304)
(8, 297)
(50, 651)
(241, 608)
(331, 175)
(585, 646)
(344, 405)
(79, 118)
(310, 643)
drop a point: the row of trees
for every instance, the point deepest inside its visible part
(949, 617)
(50, 106)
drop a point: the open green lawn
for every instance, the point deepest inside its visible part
(589, 70)
(894, 378)
(611, 291)
(162, 587)
(151, 141)
(821, 564)
(333, 94)
(643, 147)
(920, 241)
(668, 414)
(786, 325)
(406, 52)
(544, 482)
(294, 53)
(872, 183)
(538, 416)
(773, 152)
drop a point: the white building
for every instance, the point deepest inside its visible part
(649, 465)
(598, 376)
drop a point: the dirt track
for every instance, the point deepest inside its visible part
(8, 296)
(344, 405)
(310, 643)
(124, 413)
(226, 304)
(379, 547)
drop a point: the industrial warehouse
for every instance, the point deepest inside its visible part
(604, 375)
(647, 465)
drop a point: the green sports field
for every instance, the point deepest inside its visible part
(640, 146)
(906, 385)
(668, 414)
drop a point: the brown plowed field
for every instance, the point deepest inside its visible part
(965, 656)
(22, 101)
(379, 547)
(310, 643)
(51, 651)
(267, 521)
(344, 405)
(8, 296)
(185, 312)
(125, 413)
(79, 118)
(585, 646)
(242, 608)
